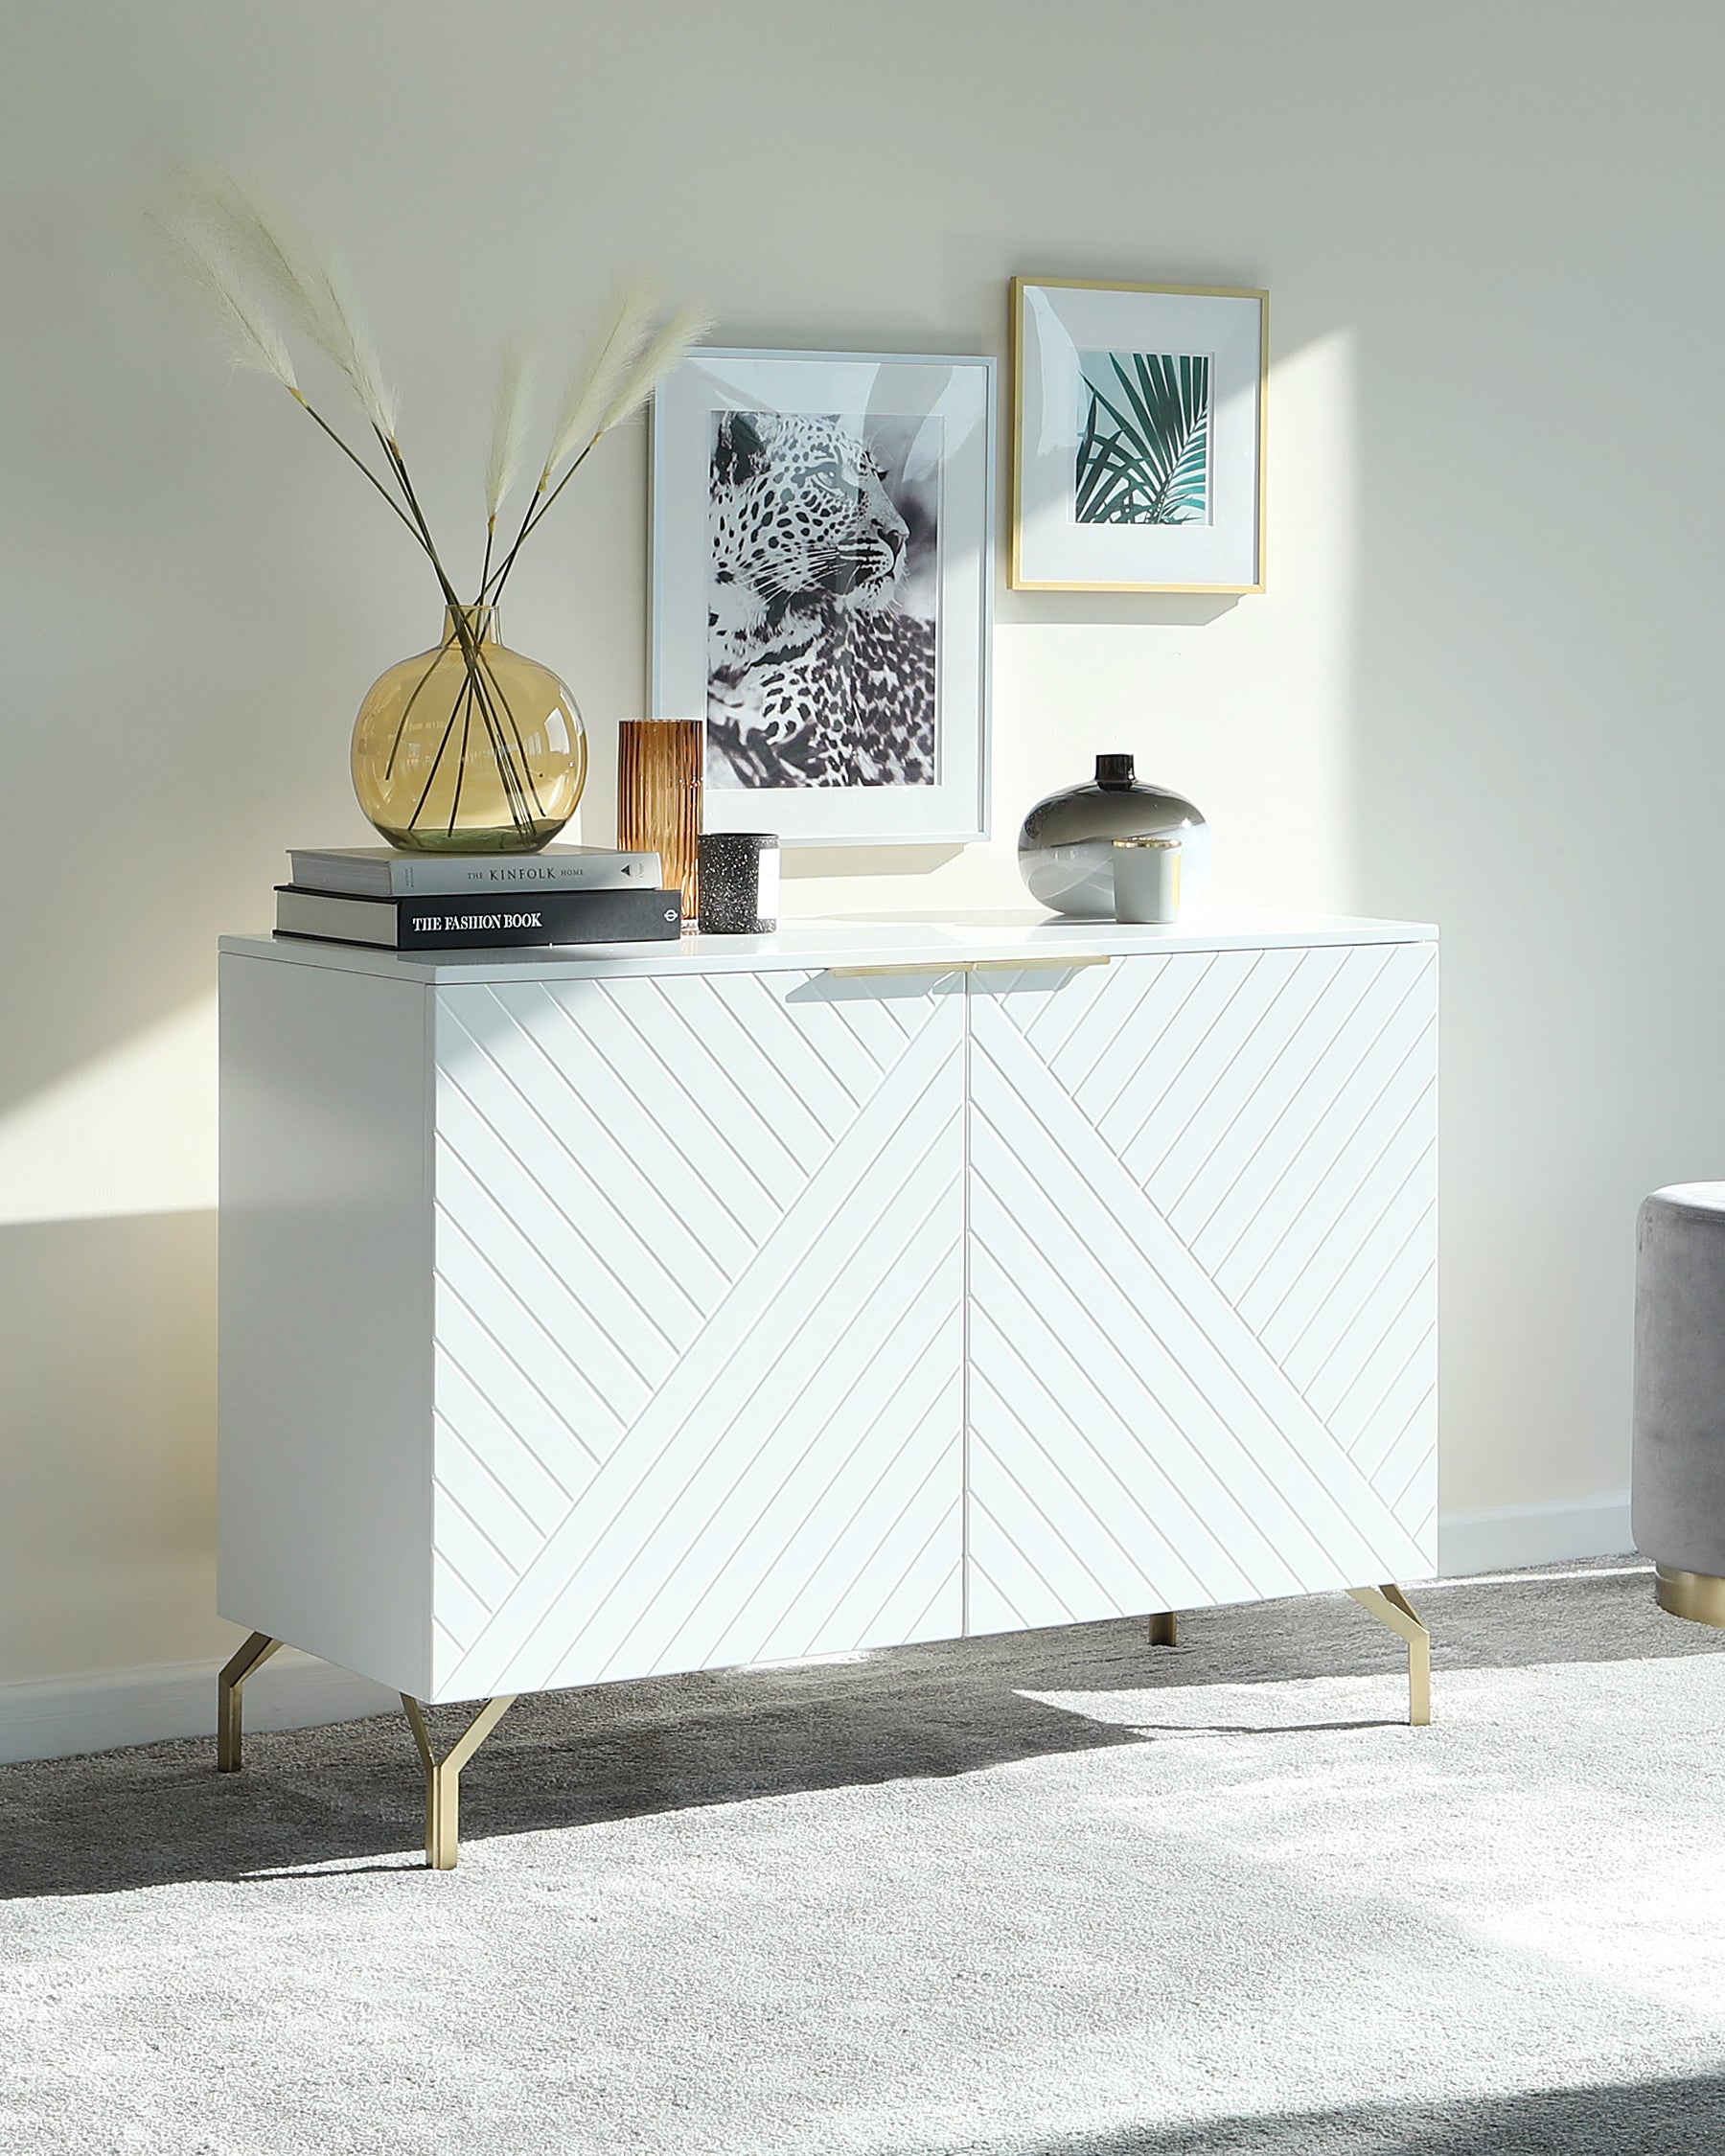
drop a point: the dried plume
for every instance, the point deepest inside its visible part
(679, 332)
(313, 290)
(509, 428)
(611, 356)
(250, 333)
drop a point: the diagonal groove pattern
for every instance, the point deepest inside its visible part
(1086, 1423)
(815, 1385)
(691, 1483)
(919, 1382)
(1257, 1143)
(515, 1112)
(1330, 1137)
(786, 1480)
(1200, 1255)
(735, 1272)
(1141, 1277)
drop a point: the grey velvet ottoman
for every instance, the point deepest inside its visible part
(1679, 1470)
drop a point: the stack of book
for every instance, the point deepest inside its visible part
(471, 901)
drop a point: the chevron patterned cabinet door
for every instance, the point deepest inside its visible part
(1201, 1255)
(698, 1318)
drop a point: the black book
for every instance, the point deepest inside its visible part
(482, 921)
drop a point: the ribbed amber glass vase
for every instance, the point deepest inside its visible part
(469, 748)
(658, 797)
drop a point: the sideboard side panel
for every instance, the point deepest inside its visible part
(325, 1330)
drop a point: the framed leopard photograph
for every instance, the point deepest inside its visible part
(822, 584)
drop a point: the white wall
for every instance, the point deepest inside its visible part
(1483, 687)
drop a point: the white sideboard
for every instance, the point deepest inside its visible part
(592, 1314)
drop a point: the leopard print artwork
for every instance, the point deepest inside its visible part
(816, 675)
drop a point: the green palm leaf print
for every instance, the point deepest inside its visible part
(1144, 444)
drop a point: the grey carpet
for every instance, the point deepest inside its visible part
(1053, 1894)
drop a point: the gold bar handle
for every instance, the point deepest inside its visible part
(863, 973)
(1030, 965)
(977, 966)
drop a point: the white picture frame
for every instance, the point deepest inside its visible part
(1137, 437)
(925, 493)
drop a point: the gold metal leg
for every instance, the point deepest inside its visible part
(443, 1776)
(255, 1653)
(1699, 1596)
(1165, 1629)
(1391, 1607)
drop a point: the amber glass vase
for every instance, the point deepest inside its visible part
(660, 764)
(470, 749)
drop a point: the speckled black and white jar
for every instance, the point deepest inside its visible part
(1066, 848)
(739, 882)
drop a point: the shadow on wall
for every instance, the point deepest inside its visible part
(1135, 609)
(866, 860)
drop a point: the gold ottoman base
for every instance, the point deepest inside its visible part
(1699, 1596)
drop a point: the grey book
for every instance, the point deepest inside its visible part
(381, 872)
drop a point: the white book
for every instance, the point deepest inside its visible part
(381, 872)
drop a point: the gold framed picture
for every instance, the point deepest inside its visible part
(1137, 436)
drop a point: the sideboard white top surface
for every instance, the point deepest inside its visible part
(881, 939)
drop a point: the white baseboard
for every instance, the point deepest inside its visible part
(56, 1717)
(1508, 1535)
